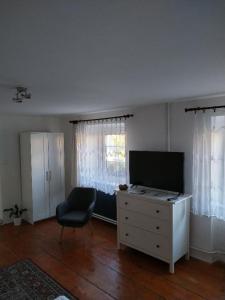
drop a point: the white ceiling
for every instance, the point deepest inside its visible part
(85, 56)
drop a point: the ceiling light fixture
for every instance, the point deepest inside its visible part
(21, 94)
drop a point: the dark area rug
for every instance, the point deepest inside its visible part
(25, 281)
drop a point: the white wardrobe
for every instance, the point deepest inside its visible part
(42, 171)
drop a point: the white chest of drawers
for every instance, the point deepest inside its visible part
(153, 225)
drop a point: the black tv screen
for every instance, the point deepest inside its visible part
(159, 170)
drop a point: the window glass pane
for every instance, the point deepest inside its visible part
(115, 147)
(115, 154)
(117, 140)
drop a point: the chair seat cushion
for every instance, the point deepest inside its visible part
(74, 218)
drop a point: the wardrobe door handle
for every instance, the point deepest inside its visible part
(126, 234)
(157, 246)
(126, 203)
(157, 211)
(46, 174)
(126, 218)
(157, 227)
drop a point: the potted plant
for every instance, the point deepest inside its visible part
(16, 213)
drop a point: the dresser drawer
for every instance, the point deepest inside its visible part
(144, 240)
(148, 223)
(144, 206)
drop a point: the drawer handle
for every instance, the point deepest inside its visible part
(157, 246)
(126, 234)
(157, 227)
(126, 218)
(126, 203)
(157, 211)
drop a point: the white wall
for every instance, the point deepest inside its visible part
(219, 237)
(10, 127)
(147, 130)
(68, 144)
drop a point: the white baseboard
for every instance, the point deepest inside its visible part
(105, 219)
(5, 221)
(207, 256)
(201, 254)
(220, 256)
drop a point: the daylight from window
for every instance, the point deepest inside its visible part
(115, 153)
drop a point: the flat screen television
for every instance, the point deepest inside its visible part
(159, 170)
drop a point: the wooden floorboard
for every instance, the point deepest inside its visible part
(91, 267)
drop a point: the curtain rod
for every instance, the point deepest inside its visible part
(101, 119)
(203, 108)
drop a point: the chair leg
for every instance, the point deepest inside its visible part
(61, 235)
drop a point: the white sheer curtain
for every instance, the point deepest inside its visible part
(218, 167)
(101, 154)
(209, 166)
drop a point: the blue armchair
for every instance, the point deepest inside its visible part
(77, 210)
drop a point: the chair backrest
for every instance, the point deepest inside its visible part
(81, 198)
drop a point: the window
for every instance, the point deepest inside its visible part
(115, 154)
(101, 154)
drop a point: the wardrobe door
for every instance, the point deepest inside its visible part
(56, 170)
(40, 184)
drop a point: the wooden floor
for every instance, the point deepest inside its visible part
(92, 268)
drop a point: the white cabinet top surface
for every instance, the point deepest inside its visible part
(159, 196)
